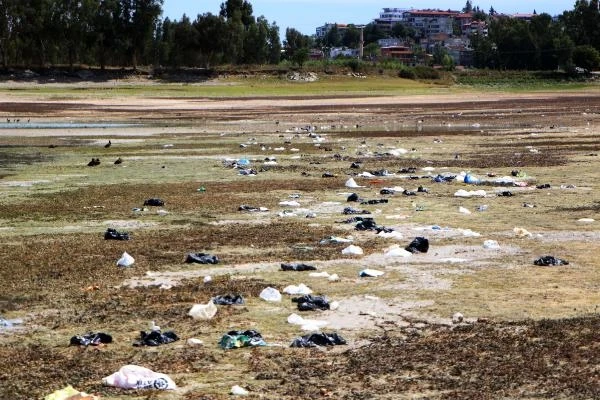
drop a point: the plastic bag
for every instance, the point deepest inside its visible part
(270, 294)
(125, 261)
(136, 377)
(309, 303)
(203, 311)
(201, 258)
(297, 267)
(318, 339)
(352, 250)
(113, 234)
(418, 245)
(297, 289)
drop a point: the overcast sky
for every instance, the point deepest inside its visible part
(306, 15)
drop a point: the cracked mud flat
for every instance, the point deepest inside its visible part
(402, 342)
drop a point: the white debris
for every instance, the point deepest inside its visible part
(470, 193)
(203, 311)
(125, 261)
(397, 251)
(352, 250)
(297, 289)
(239, 391)
(491, 245)
(463, 210)
(351, 183)
(270, 294)
(306, 324)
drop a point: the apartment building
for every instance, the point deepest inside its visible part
(321, 31)
(430, 22)
(388, 18)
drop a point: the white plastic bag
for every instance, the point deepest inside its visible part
(136, 377)
(297, 289)
(270, 294)
(203, 311)
(351, 183)
(125, 261)
(352, 250)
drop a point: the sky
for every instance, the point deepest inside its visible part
(307, 15)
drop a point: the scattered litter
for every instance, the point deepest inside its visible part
(203, 311)
(113, 234)
(125, 261)
(457, 318)
(522, 232)
(309, 302)
(453, 260)
(156, 338)
(482, 207)
(70, 393)
(550, 261)
(154, 202)
(505, 193)
(237, 339)
(297, 267)
(289, 203)
(353, 198)
(350, 210)
(318, 339)
(397, 251)
(136, 377)
(586, 220)
(162, 212)
(201, 258)
(228, 300)
(463, 210)
(306, 324)
(470, 179)
(390, 235)
(248, 208)
(351, 183)
(418, 245)
(297, 289)
(9, 323)
(352, 250)
(375, 201)
(528, 205)
(335, 239)
(470, 193)
(239, 391)
(91, 339)
(468, 232)
(370, 273)
(270, 294)
(330, 277)
(195, 342)
(543, 186)
(491, 245)
(287, 213)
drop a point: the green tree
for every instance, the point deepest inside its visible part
(586, 57)
(468, 7)
(399, 30)
(351, 37)
(106, 31)
(372, 33)
(332, 38)
(301, 56)
(274, 44)
(211, 38)
(238, 9)
(295, 41)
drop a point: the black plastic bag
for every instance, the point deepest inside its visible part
(544, 186)
(376, 201)
(113, 234)
(91, 339)
(201, 258)
(367, 224)
(418, 245)
(154, 202)
(309, 302)
(353, 197)
(350, 210)
(386, 191)
(318, 339)
(297, 267)
(407, 192)
(546, 261)
(156, 338)
(506, 193)
(228, 300)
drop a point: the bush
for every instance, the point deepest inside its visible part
(429, 73)
(407, 73)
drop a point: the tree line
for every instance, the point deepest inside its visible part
(128, 33)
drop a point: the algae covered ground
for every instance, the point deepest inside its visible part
(527, 331)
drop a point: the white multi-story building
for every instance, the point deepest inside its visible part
(388, 18)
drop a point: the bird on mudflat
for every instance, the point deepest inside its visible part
(107, 145)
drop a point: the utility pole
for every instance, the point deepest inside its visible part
(361, 42)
